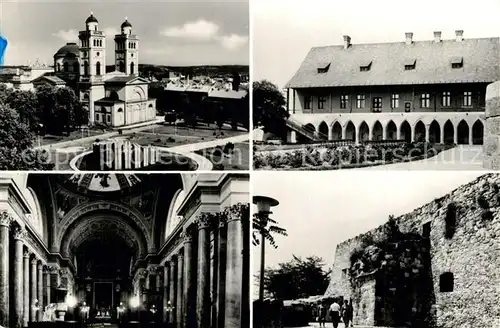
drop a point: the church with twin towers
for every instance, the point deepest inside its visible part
(115, 98)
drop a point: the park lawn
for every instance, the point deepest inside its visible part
(240, 160)
(52, 139)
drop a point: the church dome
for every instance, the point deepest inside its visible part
(126, 23)
(70, 49)
(91, 19)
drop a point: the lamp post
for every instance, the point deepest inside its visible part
(264, 205)
(169, 310)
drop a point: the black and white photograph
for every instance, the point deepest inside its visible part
(376, 249)
(124, 85)
(124, 250)
(378, 85)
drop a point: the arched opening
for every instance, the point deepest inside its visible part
(86, 68)
(121, 67)
(76, 67)
(434, 132)
(377, 131)
(420, 131)
(405, 131)
(173, 219)
(463, 133)
(98, 68)
(323, 131)
(364, 132)
(132, 68)
(477, 133)
(66, 67)
(350, 131)
(114, 95)
(391, 131)
(336, 131)
(449, 133)
(310, 129)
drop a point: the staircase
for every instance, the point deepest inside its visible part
(299, 128)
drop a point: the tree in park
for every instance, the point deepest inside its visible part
(297, 278)
(269, 108)
(59, 109)
(16, 142)
(26, 105)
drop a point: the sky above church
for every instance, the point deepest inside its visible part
(322, 209)
(284, 31)
(170, 32)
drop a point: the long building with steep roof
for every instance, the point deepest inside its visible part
(411, 90)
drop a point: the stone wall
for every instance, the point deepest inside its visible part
(491, 147)
(364, 307)
(472, 254)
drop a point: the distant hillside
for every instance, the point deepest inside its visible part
(161, 71)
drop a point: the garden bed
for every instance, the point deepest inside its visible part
(334, 158)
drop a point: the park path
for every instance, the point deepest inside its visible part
(460, 158)
(189, 148)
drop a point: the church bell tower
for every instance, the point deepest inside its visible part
(92, 50)
(127, 50)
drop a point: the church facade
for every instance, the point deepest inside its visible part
(164, 248)
(117, 98)
(411, 90)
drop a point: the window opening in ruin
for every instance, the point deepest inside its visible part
(446, 282)
(450, 220)
(426, 230)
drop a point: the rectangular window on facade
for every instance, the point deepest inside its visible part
(108, 118)
(467, 99)
(446, 99)
(307, 102)
(97, 117)
(321, 102)
(377, 104)
(407, 106)
(344, 100)
(394, 100)
(360, 101)
(425, 100)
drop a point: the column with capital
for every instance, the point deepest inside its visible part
(172, 290)
(46, 276)
(26, 288)
(166, 281)
(5, 222)
(189, 290)
(234, 269)
(180, 288)
(19, 235)
(221, 271)
(39, 291)
(203, 273)
(33, 285)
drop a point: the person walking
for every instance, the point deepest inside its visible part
(346, 313)
(321, 315)
(335, 314)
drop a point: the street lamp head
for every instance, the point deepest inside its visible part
(264, 203)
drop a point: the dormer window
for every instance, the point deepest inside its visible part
(365, 67)
(457, 62)
(410, 64)
(324, 68)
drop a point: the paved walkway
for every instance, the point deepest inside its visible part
(188, 148)
(460, 158)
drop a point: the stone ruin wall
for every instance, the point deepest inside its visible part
(472, 255)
